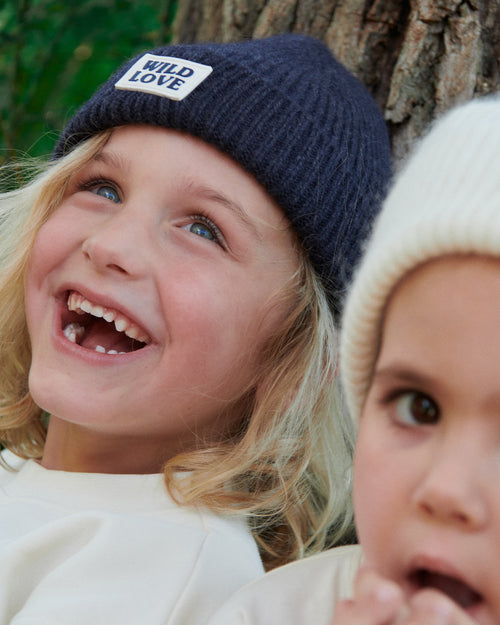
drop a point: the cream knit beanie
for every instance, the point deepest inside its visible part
(445, 201)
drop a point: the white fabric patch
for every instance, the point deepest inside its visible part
(165, 76)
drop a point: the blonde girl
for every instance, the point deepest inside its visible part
(170, 288)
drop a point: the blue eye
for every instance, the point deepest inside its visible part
(202, 230)
(417, 409)
(205, 228)
(107, 192)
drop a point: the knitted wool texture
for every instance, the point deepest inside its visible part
(291, 115)
(445, 201)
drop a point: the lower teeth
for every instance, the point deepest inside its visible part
(75, 331)
(102, 350)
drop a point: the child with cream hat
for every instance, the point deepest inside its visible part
(420, 355)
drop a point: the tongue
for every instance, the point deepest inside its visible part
(453, 588)
(100, 332)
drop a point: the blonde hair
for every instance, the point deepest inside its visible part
(22, 213)
(285, 468)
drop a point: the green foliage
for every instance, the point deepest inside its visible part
(55, 53)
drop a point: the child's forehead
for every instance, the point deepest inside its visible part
(445, 271)
(449, 304)
(449, 274)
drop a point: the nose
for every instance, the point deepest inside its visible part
(118, 245)
(451, 490)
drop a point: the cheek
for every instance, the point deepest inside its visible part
(363, 482)
(35, 271)
(372, 487)
(50, 245)
(224, 312)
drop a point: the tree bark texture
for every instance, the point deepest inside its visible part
(417, 57)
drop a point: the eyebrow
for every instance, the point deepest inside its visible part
(403, 374)
(112, 159)
(214, 195)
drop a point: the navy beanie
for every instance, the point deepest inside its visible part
(284, 109)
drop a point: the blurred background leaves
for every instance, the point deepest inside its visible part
(53, 55)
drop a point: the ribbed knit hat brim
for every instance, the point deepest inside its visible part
(446, 201)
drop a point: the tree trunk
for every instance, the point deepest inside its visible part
(417, 57)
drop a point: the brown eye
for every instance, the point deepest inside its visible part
(417, 409)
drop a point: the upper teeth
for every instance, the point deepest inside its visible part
(80, 305)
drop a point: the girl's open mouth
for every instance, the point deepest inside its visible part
(100, 329)
(457, 590)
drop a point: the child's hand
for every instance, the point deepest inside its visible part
(379, 601)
